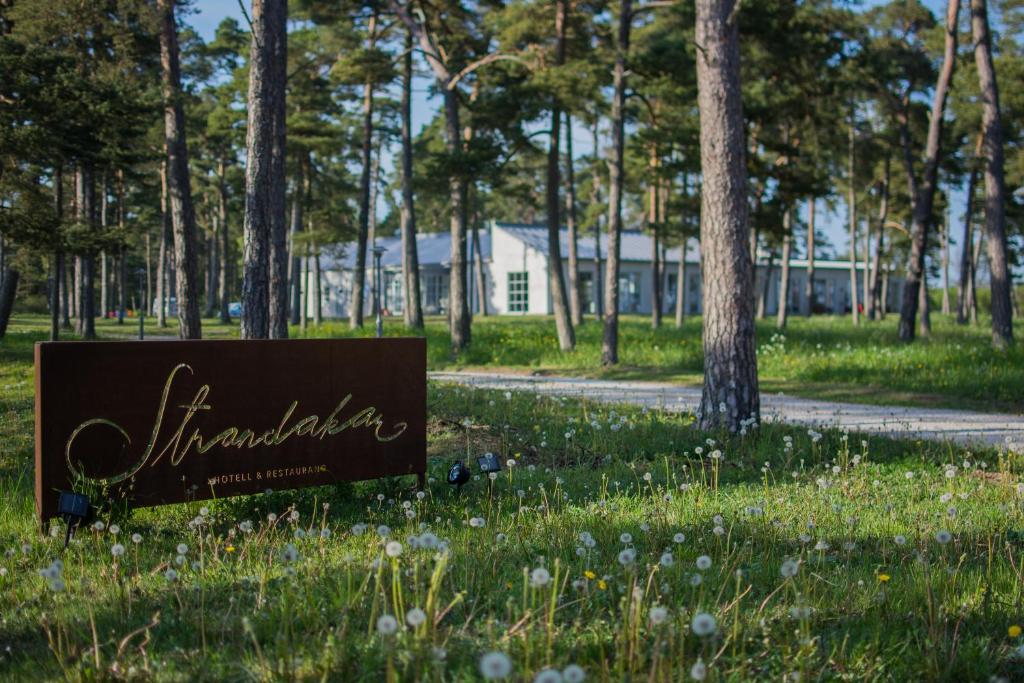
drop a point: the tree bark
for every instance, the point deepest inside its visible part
(766, 285)
(355, 317)
(413, 308)
(8, 288)
(995, 190)
(304, 314)
(595, 198)
(317, 288)
(925, 325)
(122, 260)
(85, 204)
(616, 186)
(295, 263)
(730, 393)
(875, 308)
(178, 185)
(225, 242)
(165, 240)
(575, 296)
(58, 255)
(922, 198)
(946, 307)
(556, 278)
(655, 220)
(478, 266)
(809, 285)
(264, 222)
(458, 302)
(851, 207)
(681, 282)
(966, 255)
(787, 246)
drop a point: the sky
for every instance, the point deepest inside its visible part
(207, 14)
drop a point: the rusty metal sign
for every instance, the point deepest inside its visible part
(159, 422)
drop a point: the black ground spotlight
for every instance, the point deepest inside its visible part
(73, 509)
(458, 474)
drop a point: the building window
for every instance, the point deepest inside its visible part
(435, 292)
(629, 292)
(587, 299)
(518, 292)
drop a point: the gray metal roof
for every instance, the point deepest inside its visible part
(433, 248)
(636, 246)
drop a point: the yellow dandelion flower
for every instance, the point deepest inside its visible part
(590, 575)
(884, 578)
(230, 548)
(602, 584)
(1014, 631)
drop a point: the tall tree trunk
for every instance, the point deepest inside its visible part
(85, 204)
(787, 247)
(8, 289)
(178, 185)
(681, 282)
(995, 190)
(355, 317)
(65, 292)
(865, 281)
(318, 310)
(809, 285)
(58, 255)
(595, 198)
(478, 266)
(575, 297)
(966, 255)
(923, 195)
(875, 307)
(766, 285)
(413, 308)
(851, 207)
(304, 314)
(225, 242)
(556, 278)
(104, 270)
(885, 290)
(653, 211)
(925, 326)
(122, 260)
(730, 393)
(212, 263)
(264, 223)
(616, 186)
(376, 297)
(946, 307)
(295, 264)
(458, 302)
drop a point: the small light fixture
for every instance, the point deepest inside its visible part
(73, 508)
(458, 474)
(488, 463)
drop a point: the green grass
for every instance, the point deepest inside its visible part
(286, 602)
(823, 357)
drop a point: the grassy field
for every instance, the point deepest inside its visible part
(621, 544)
(823, 357)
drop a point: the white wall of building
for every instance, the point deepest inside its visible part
(511, 255)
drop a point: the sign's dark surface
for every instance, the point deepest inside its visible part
(169, 421)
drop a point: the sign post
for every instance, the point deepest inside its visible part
(162, 422)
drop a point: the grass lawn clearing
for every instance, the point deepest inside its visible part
(620, 541)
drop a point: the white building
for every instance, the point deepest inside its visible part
(515, 262)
